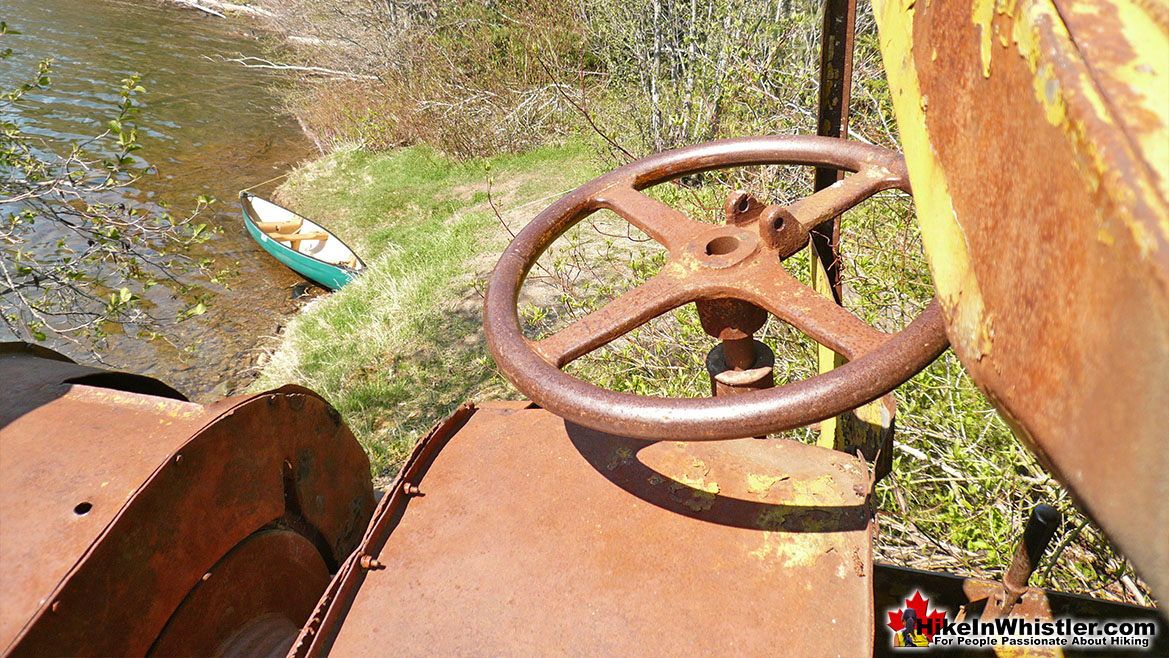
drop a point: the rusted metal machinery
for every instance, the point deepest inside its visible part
(1037, 138)
(133, 522)
(592, 522)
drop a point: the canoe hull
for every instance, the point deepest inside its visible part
(329, 275)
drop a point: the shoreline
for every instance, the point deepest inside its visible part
(401, 345)
(219, 8)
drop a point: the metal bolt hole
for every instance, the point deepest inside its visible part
(83, 508)
(722, 245)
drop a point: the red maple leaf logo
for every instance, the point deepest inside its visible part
(929, 622)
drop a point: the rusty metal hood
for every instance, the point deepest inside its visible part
(1037, 139)
(513, 532)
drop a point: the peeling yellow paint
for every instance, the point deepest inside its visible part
(695, 493)
(1149, 79)
(692, 489)
(945, 243)
(983, 15)
(761, 484)
(821, 490)
(700, 483)
(1104, 236)
(620, 457)
(793, 549)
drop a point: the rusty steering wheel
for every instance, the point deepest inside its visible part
(740, 260)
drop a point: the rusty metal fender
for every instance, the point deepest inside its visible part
(113, 504)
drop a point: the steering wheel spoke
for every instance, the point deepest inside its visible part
(667, 225)
(659, 294)
(817, 316)
(811, 211)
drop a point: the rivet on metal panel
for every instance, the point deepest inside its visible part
(178, 459)
(55, 607)
(370, 562)
(333, 414)
(206, 576)
(410, 489)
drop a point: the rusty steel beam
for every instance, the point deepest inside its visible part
(868, 428)
(738, 261)
(1037, 138)
(836, 47)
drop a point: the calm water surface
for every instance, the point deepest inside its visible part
(209, 127)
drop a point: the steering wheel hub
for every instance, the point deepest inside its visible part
(722, 247)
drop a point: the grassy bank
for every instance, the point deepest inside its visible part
(402, 345)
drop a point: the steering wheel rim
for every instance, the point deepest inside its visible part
(878, 366)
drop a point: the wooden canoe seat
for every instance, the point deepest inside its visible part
(297, 238)
(280, 227)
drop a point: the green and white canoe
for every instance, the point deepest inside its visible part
(300, 243)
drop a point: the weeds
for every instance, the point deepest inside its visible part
(468, 78)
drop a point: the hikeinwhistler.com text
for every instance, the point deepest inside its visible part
(1061, 632)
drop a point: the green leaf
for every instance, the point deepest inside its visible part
(125, 295)
(115, 126)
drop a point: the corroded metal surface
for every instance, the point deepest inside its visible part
(1037, 138)
(589, 543)
(58, 491)
(317, 634)
(235, 611)
(33, 375)
(737, 261)
(113, 505)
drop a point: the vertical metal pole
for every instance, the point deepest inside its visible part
(836, 45)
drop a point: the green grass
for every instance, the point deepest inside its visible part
(401, 346)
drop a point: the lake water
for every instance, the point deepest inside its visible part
(208, 126)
